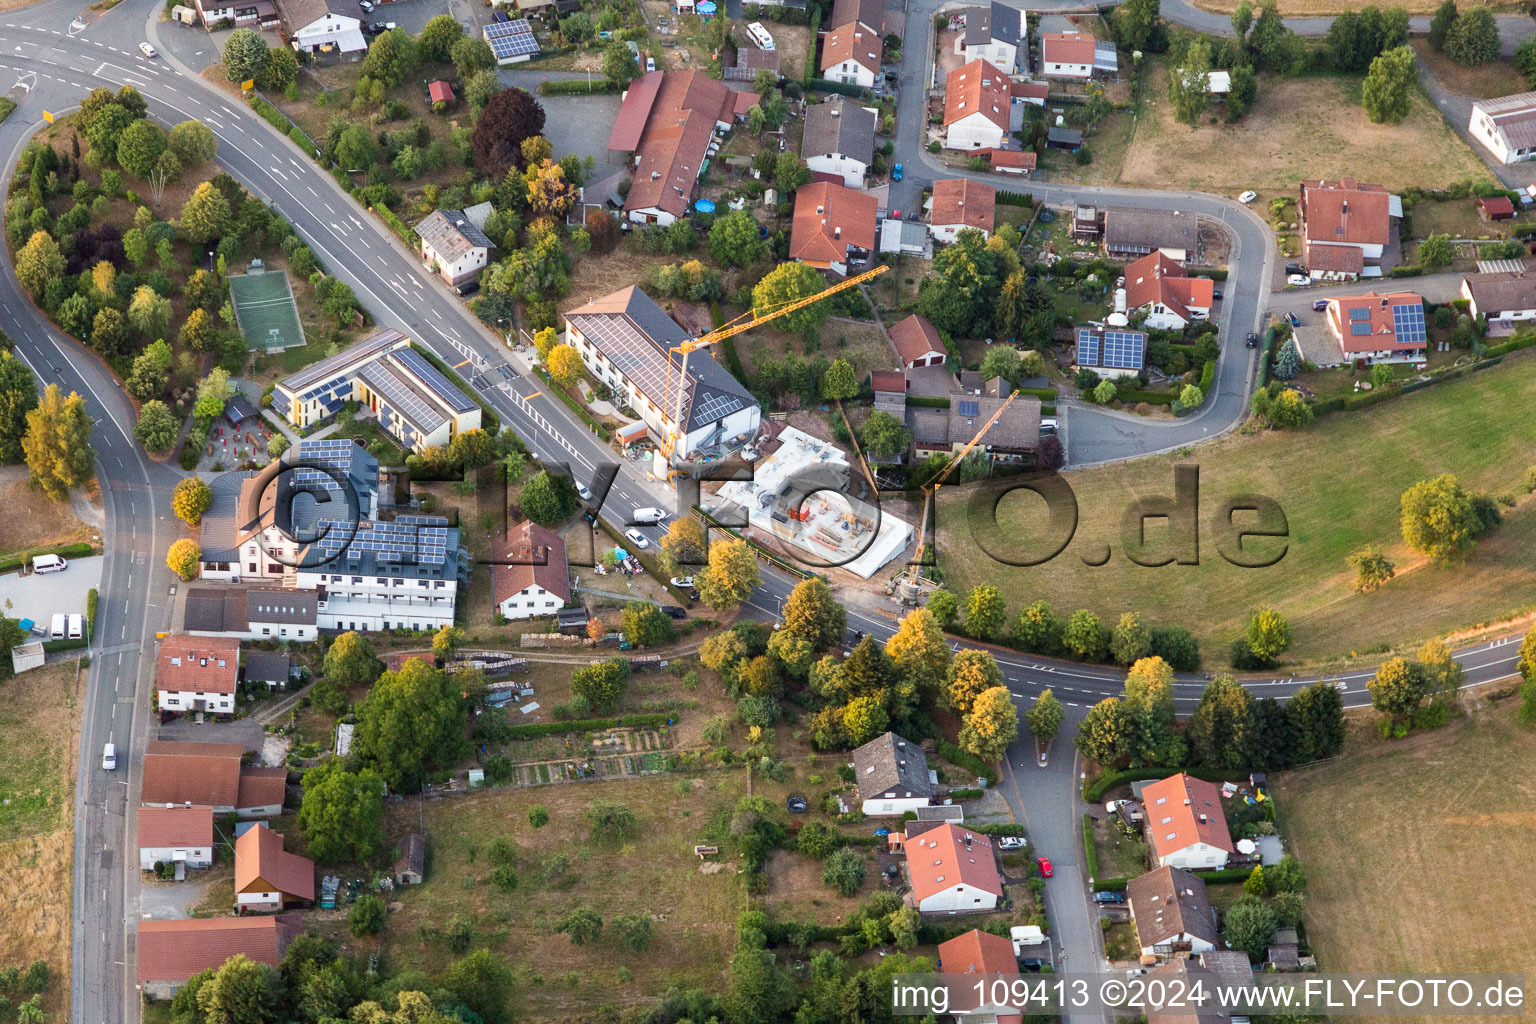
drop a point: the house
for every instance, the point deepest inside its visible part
(1069, 139)
(1132, 233)
(750, 60)
(839, 140)
(1507, 126)
(870, 14)
(953, 870)
(274, 668)
(918, 342)
(408, 396)
(197, 674)
(959, 203)
(175, 835)
(668, 122)
(196, 774)
(994, 34)
(1380, 328)
(1347, 214)
(1171, 914)
(979, 952)
(1336, 263)
(452, 246)
(834, 227)
(1185, 823)
(1012, 161)
(323, 28)
(978, 103)
(1503, 298)
(1086, 226)
(267, 877)
(171, 951)
(411, 859)
(1013, 437)
(253, 613)
(1496, 208)
(1110, 351)
(257, 14)
(625, 342)
(850, 54)
(529, 574)
(1067, 55)
(1163, 289)
(1209, 972)
(890, 387)
(891, 774)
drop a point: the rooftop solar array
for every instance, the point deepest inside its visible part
(1408, 323)
(1360, 327)
(1360, 313)
(970, 409)
(330, 367)
(1121, 350)
(511, 38)
(393, 389)
(440, 385)
(409, 543)
(332, 454)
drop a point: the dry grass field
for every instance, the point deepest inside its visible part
(1312, 127)
(32, 519)
(1498, 78)
(1339, 483)
(1402, 839)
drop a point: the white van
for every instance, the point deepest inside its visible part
(77, 627)
(57, 630)
(49, 563)
(109, 757)
(650, 515)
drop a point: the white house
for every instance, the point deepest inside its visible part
(1160, 286)
(400, 574)
(851, 54)
(1186, 824)
(175, 835)
(323, 27)
(918, 342)
(952, 869)
(977, 107)
(994, 34)
(839, 139)
(211, 774)
(1506, 126)
(1067, 55)
(960, 203)
(453, 246)
(1504, 298)
(197, 674)
(891, 774)
(1380, 328)
(529, 573)
(267, 877)
(1172, 915)
(254, 613)
(1347, 215)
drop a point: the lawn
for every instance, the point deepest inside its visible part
(1455, 217)
(1487, 81)
(1380, 829)
(1311, 127)
(1333, 505)
(1119, 856)
(1308, 8)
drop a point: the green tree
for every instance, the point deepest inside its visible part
(601, 685)
(1267, 634)
(366, 916)
(549, 498)
(1474, 38)
(1138, 25)
(483, 982)
(392, 56)
(1255, 883)
(18, 396)
(150, 372)
(1442, 673)
(206, 215)
(437, 38)
(581, 925)
(611, 824)
(57, 444)
(281, 69)
(789, 173)
(945, 607)
(634, 931)
(682, 546)
(757, 991)
(140, 147)
(245, 55)
(447, 640)
(1442, 23)
(38, 262)
(471, 56)
(1242, 90)
(734, 241)
(1373, 569)
(1525, 60)
(844, 871)
(986, 612)
(918, 652)
(109, 331)
(961, 295)
(410, 723)
(183, 558)
(1435, 251)
(1439, 520)
(1103, 737)
(1387, 94)
(971, 673)
(883, 435)
(148, 313)
(991, 726)
(1189, 87)
(619, 65)
(1084, 636)
(811, 611)
(1130, 640)
(789, 282)
(645, 625)
(198, 331)
(839, 382)
(818, 840)
(731, 575)
(355, 148)
(350, 662)
(190, 499)
(1191, 396)
(1316, 714)
(1104, 392)
(864, 718)
(1218, 728)
(1045, 716)
(1398, 687)
(1002, 361)
(342, 814)
(1038, 630)
(1250, 926)
(241, 992)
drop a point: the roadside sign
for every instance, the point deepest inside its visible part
(248, 85)
(48, 117)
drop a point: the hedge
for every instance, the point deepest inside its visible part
(954, 755)
(405, 234)
(841, 88)
(578, 87)
(1263, 368)
(535, 730)
(1407, 270)
(966, 794)
(928, 402)
(1150, 397)
(1207, 374)
(270, 114)
(1006, 828)
(810, 57)
(92, 599)
(1110, 884)
(52, 646)
(1505, 347)
(1525, 231)
(78, 549)
(1089, 852)
(489, 421)
(1214, 273)
(1044, 394)
(6, 107)
(1006, 198)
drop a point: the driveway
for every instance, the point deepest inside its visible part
(173, 900)
(40, 596)
(245, 731)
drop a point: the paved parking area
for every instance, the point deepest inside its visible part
(41, 596)
(172, 900)
(245, 731)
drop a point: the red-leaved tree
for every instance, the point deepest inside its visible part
(511, 116)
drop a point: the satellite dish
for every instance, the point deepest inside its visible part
(1246, 846)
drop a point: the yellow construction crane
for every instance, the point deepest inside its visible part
(748, 320)
(932, 488)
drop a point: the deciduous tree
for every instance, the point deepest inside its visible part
(1218, 728)
(242, 991)
(787, 283)
(511, 116)
(57, 443)
(1398, 687)
(601, 685)
(471, 56)
(644, 624)
(190, 499)
(813, 612)
(156, 429)
(734, 241)
(844, 871)
(438, 36)
(410, 723)
(883, 435)
(1045, 716)
(839, 382)
(730, 576)
(1267, 634)
(342, 814)
(18, 396)
(682, 547)
(1189, 87)
(1474, 37)
(38, 262)
(971, 674)
(1084, 636)
(483, 982)
(549, 498)
(991, 726)
(564, 365)
(245, 54)
(918, 651)
(140, 146)
(1130, 640)
(1441, 24)
(1038, 630)
(1438, 519)
(183, 558)
(1103, 737)
(1250, 926)
(206, 214)
(392, 56)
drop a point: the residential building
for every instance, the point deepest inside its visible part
(1210, 972)
(253, 613)
(918, 342)
(1504, 298)
(211, 774)
(403, 573)
(1013, 161)
(1013, 437)
(1086, 226)
(257, 14)
(323, 28)
(978, 108)
(870, 14)
(1109, 351)
(625, 341)
(411, 859)
(175, 835)
(1185, 823)
(952, 870)
(267, 877)
(1171, 914)
(1336, 263)
(850, 54)
(979, 952)
(890, 387)
(1033, 93)
(993, 33)
(1163, 289)
(839, 139)
(750, 60)
(197, 674)
(1506, 126)
(169, 952)
(833, 227)
(891, 774)
(529, 573)
(393, 383)
(1067, 55)
(1132, 233)
(452, 246)
(1347, 214)
(275, 668)
(668, 122)
(960, 203)
(1380, 328)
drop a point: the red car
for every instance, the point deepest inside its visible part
(1045, 867)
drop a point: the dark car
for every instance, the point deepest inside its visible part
(1216, 293)
(467, 288)
(1295, 268)
(1032, 963)
(501, 16)
(1293, 319)
(1109, 897)
(674, 611)
(1253, 340)
(1318, 305)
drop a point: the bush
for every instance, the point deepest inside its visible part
(366, 916)
(844, 871)
(954, 755)
(967, 794)
(580, 87)
(1091, 854)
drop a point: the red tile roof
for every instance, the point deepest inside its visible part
(1346, 211)
(528, 555)
(1030, 90)
(667, 120)
(1194, 807)
(962, 201)
(1157, 278)
(175, 826)
(977, 86)
(1013, 158)
(939, 859)
(1498, 206)
(889, 381)
(175, 950)
(198, 664)
(634, 112)
(915, 337)
(870, 13)
(852, 42)
(1383, 333)
(195, 773)
(262, 786)
(440, 92)
(262, 865)
(1337, 259)
(977, 952)
(1067, 48)
(830, 218)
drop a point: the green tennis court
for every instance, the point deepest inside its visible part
(265, 310)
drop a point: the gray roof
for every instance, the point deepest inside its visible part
(1515, 116)
(329, 367)
(890, 765)
(1018, 428)
(231, 609)
(1000, 22)
(267, 666)
(1070, 136)
(928, 426)
(411, 854)
(299, 13)
(1150, 229)
(941, 812)
(281, 607)
(219, 535)
(1502, 292)
(842, 127)
(211, 610)
(452, 233)
(1170, 901)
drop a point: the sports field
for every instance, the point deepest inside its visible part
(265, 310)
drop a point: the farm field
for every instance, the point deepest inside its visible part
(1377, 828)
(1332, 509)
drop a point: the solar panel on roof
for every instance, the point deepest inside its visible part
(511, 38)
(1360, 313)
(428, 375)
(1408, 323)
(1359, 329)
(970, 409)
(1087, 348)
(1124, 350)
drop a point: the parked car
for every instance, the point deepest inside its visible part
(466, 289)
(1109, 897)
(1048, 425)
(1033, 964)
(584, 491)
(503, 16)
(1298, 280)
(1010, 843)
(366, 5)
(896, 173)
(148, 51)
(1216, 293)
(650, 64)
(1295, 268)
(1294, 321)
(895, 215)
(1045, 867)
(1253, 340)
(1318, 305)
(1248, 197)
(682, 582)
(674, 611)
(636, 538)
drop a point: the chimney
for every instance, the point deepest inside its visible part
(837, 232)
